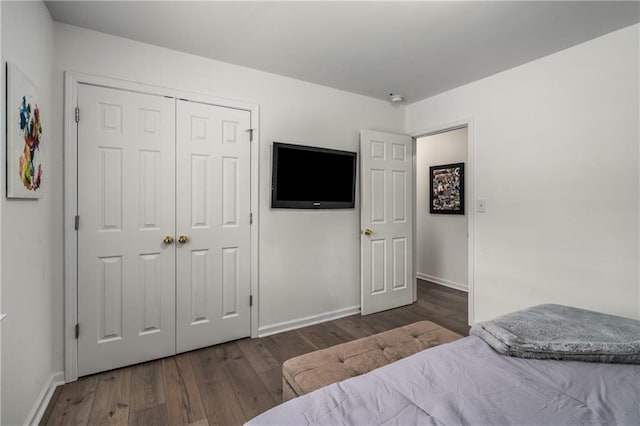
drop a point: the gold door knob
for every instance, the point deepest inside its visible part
(183, 239)
(367, 231)
(168, 240)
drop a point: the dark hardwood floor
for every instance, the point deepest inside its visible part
(230, 383)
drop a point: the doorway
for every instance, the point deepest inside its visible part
(386, 159)
(441, 239)
(444, 242)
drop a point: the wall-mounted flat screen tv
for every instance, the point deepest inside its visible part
(306, 177)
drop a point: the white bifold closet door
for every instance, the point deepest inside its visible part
(212, 208)
(126, 205)
(164, 235)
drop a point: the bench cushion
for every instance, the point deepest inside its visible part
(311, 371)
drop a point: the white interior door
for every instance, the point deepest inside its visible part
(213, 207)
(126, 206)
(386, 219)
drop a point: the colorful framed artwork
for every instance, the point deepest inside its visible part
(447, 189)
(24, 136)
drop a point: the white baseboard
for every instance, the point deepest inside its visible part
(306, 321)
(41, 404)
(442, 281)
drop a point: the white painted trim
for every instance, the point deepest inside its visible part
(414, 223)
(70, 191)
(471, 274)
(255, 209)
(132, 86)
(441, 281)
(468, 122)
(306, 321)
(41, 404)
(3, 135)
(72, 80)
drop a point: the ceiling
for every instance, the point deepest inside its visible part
(417, 49)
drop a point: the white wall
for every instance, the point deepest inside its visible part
(441, 239)
(31, 266)
(309, 260)
(556, 158)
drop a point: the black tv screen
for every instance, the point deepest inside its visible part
(306, 177)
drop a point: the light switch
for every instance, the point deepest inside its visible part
(481, 206)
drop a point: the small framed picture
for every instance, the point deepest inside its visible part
(447, 189)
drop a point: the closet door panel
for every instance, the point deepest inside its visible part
(126, 205)
(213, 206)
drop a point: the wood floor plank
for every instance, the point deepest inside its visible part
(287, 345)
(253, 396)
(449, 298)
(73, 406)
(338, 332)
(156, 416)
(445, 306)
(325, 334)
(205, 364)
(111, 401)
(147, 386)
(407, 315)
(203, 422)
(383, 321)
(272, 381)
(221, 403)
(436, 314)
(446, 301)
(356, 325)
(267, 367)
(184, 405)
(258, 355)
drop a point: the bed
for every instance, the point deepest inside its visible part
(468, 382)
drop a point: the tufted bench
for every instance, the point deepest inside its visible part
(311, 371)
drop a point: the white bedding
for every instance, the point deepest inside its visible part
(466, 382)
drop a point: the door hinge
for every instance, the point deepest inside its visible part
(77, 223)
(77, 115)
(77, 330)
(250, 134)
(250, 218)
(250, 300)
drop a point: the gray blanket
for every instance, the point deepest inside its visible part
(564, 333)
(468, 383)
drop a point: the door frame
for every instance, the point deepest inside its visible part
(467, 122)
(70, 142)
